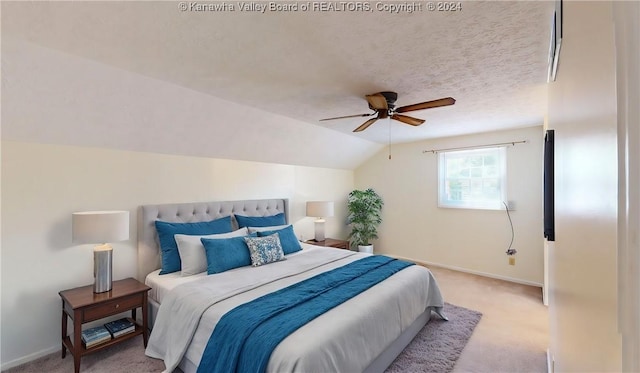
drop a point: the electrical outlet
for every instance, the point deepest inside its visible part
(512, 260)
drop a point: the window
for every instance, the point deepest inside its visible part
(473, 179)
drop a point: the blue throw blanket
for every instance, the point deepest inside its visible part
(245, 337)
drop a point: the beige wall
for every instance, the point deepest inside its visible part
(471, 240)
(582, 263)
(43, 184)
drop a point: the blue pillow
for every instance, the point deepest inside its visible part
(260, 221)
(287, 237)
(170, 255)
(224, 254)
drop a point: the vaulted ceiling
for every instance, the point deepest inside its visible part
(307, 65)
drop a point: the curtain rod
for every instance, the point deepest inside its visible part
(511, 143)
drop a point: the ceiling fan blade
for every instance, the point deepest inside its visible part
(427, 105)
(365, 125)
(348, 116)
(408, 120)
(377, 101)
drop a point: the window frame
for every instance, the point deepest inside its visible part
(497, 204)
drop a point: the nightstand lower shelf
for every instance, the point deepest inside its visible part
(85, 351)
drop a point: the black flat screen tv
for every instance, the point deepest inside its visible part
(549, 219)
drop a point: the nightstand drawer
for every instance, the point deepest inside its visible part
(112, 307)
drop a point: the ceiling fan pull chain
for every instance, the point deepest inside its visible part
(389, 123)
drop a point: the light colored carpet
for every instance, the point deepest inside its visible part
(435, 349)
(127, 356)
(513, 335)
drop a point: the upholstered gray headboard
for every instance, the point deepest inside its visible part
(148, 246)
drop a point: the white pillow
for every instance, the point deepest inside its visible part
(271, 228)
(191, 250)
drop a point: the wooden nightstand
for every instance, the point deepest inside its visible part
(83, 305)
(330, 242)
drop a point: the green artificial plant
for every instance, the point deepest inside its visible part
(364, 216)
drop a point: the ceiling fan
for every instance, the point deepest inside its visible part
(383, 104)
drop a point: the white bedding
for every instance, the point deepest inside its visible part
(346, 338)
(161, 284)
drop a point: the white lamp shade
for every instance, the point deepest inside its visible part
(100, 226)
(320, 209)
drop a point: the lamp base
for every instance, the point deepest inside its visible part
(319, 230)
(102, 263)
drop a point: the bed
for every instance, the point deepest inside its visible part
(365, 333)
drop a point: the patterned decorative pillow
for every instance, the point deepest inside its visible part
(264, 250)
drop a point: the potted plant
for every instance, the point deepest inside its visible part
(364, 217)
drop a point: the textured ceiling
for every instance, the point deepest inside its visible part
(307, 65)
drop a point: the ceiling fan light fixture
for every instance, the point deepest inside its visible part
(383, 104)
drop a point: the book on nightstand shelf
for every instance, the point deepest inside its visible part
(120, 327)
(94, 336)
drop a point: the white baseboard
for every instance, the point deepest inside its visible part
(465, 270)
(34, 356)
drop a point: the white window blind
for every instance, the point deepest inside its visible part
(473, 179)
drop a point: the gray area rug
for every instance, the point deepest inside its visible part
(439, 344)
(435, 349)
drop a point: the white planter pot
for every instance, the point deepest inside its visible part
(365, 249)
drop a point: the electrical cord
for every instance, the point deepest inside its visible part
(510, 251)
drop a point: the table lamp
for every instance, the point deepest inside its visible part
(100, 227)
(319, 210)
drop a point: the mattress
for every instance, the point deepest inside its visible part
(346, 338)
